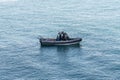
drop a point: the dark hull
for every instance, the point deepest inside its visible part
(53, 42)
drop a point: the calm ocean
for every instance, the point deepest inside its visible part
(23, 21)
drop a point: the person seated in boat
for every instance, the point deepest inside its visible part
(59, 36)
(65, 36)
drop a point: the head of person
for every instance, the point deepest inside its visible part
(62, 32)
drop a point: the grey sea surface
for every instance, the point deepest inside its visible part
(23, 21)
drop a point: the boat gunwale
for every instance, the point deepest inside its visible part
(46, 41)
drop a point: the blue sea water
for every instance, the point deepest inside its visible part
(23, 21)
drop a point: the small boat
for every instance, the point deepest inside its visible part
(54, 42)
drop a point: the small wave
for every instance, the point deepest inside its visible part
(7, 0)
(2, 46)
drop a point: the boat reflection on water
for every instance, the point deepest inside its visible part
(60, 52)
(59, 49)
(65, 49)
